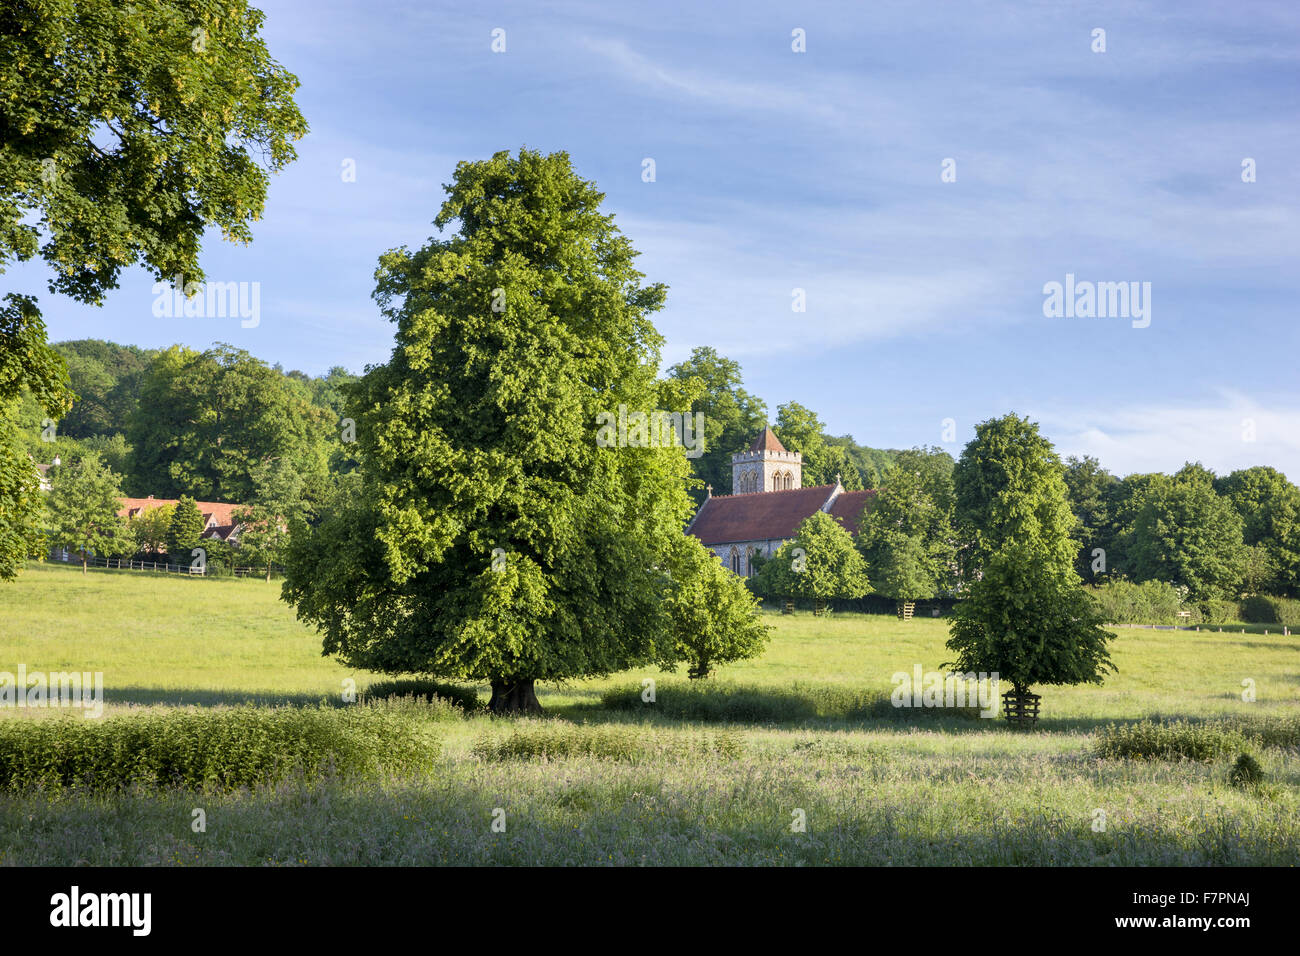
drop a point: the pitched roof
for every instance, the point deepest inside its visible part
(220, 511)
(757, 517)
(222, 532)
(766, 441)
(849, 507)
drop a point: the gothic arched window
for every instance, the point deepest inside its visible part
(735, 560)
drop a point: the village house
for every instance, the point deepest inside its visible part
(768, 505)
(218, 516)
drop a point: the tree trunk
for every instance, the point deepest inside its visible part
(514, 696)
(83, 562)
(268, 572)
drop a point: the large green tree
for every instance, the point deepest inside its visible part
(206, 418)
(1027, 616)
(819, 564)
(501, 532)
(1269, 507)
(1010, 488)
(1189, 536)
(732, 416)
(84, 500)
(126, 130)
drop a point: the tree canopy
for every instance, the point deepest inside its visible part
(126, 131)
(493, 538)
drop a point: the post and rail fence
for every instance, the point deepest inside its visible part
(162, 567)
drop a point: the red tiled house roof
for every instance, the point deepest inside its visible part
(215, 513)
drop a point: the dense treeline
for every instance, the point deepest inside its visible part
(175, 422)
(224, 425)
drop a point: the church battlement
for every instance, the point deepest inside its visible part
(783, 455)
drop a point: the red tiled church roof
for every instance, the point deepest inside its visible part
(849, 507)
(766, 442)
(757, 517)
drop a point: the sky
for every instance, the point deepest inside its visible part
(921, 171)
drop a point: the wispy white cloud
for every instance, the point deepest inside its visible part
(1229, 431)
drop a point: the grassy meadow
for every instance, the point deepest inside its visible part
(715, 772)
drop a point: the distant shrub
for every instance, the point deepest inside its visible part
(1272, 730)
(743, 704)
(196, 750)
(1156, 740)
(1151, 602)
(466, 698)
(1262, 609)
(1218, 611)
(1246, 772)
(556, 740)
(1169, 740)
(738, 703)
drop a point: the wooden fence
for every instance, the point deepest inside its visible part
(162, 567)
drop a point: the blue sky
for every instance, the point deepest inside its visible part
(821, 170)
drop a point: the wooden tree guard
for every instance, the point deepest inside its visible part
(1020, 709)
(819, 607)
(905, 609)
(788, 607)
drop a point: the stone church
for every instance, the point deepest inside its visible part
(768, 505)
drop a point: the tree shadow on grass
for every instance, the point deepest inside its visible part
(830, 708)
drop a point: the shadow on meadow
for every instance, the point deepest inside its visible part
(715, 702)
(620, 822)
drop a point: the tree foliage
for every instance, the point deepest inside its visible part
(1010, 488)
(819, 564)
(712, 618)
(1027, 616)
(28, 369)
(126, 130)
(185, 530)
(206, 418)
(1187, 535)
(1029, 624)
(275, 506)
(492, 537)
(84, 500)
(732, 416)
(907, 536)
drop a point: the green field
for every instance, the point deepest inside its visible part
(711, 774)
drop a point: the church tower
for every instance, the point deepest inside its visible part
(766, 466)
